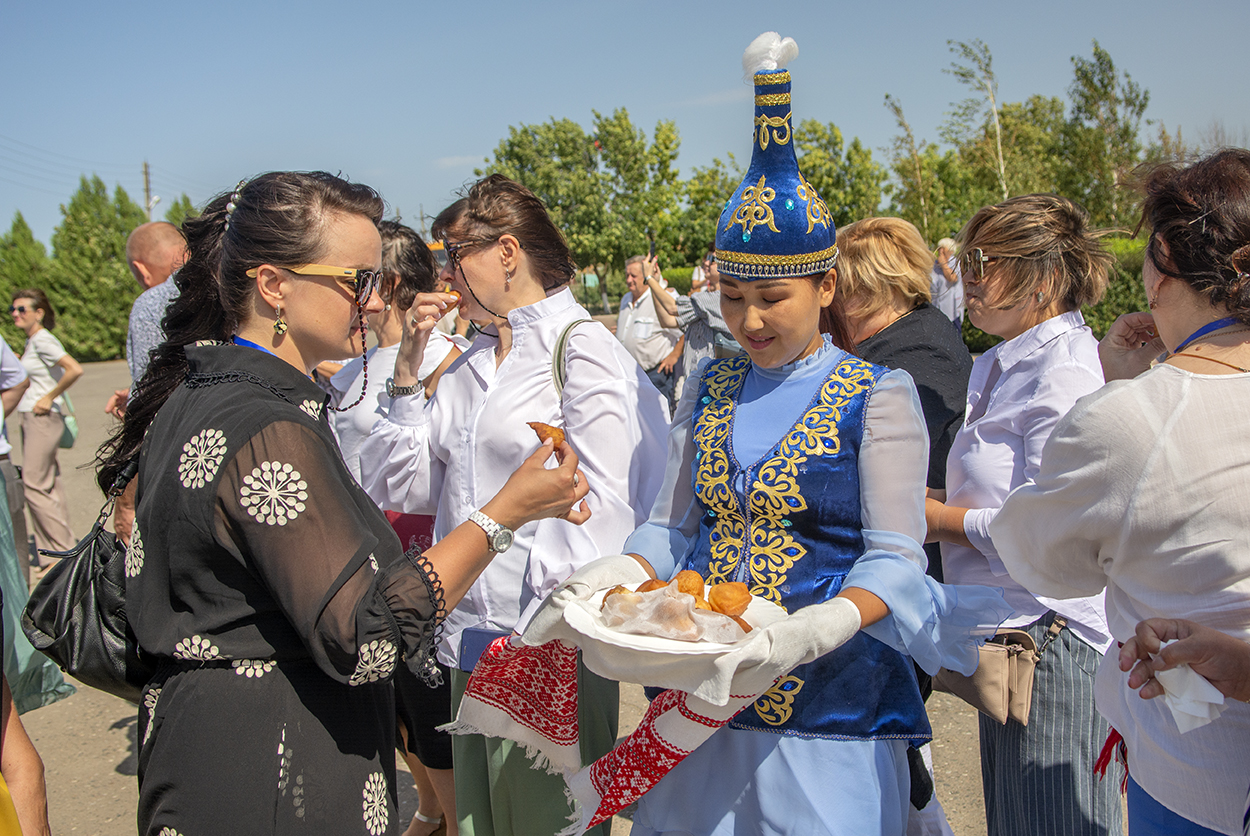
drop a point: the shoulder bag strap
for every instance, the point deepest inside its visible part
(559, 374)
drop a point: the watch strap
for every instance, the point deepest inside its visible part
(488, 525)
(399, 391)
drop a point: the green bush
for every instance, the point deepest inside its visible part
(1125, 294)
(679, 279)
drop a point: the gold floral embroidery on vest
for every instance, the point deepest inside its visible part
(711, 484)
(776, 128)
(776, 705)
(754, 209)
(775, 494)
(817, 211)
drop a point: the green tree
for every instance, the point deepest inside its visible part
(23, 263)
(707, 190)
(559, 163)
(977, 73)
(1101, 138)
(912, 163)
(849, 181)
(90, 283)
(180, 210)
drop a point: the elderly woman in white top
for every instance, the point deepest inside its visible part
(510, 267)
(1028, 266)
(1145, 486)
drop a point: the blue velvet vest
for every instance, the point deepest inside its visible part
(793, 541)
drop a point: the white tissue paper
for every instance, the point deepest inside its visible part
(1193, 700)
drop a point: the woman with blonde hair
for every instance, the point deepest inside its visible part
(1029, 264)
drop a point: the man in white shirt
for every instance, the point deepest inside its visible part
(638, 329)
(13, 384)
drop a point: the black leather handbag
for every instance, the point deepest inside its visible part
(76, 615)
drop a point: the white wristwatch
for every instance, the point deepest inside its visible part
(498, 537)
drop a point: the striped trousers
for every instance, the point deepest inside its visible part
(1039, 779)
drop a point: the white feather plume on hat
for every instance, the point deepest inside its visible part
(769, 51)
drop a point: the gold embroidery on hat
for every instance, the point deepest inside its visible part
(772, 78)
(772, 99)
(752, 211)
(817, 211)
(780, 130)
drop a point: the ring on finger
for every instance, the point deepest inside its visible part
(577, 479)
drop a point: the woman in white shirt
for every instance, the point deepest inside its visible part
(1145, 486)
(1028, 265)
(509, 266)
(42, 408)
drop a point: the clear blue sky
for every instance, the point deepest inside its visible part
(410, 97)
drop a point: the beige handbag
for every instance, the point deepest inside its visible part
(1002, 685)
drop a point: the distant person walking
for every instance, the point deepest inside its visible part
(43, 407)
(945, 288)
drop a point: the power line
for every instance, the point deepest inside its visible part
(32, 188)
(77, 160)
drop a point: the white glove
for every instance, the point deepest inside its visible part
(546, 623)
(781, 647)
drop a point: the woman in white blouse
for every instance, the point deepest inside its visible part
(52, 371)
(1028, 266)
(1145, 489)
(509, 266)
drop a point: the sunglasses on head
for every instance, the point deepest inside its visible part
(362, 282)
(453, 249)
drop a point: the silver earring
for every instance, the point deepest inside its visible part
(1041, 297)
(386, 307)
(507, 279)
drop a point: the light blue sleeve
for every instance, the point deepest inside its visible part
(937, 625)
(669, 533)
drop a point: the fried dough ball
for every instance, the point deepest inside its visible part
(654, 583)
(616, 590)
(546, 431)
(729, 598)
(690, 582)
(700, 604)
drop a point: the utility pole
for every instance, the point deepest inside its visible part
(149, 202)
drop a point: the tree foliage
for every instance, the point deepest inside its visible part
(90, 283)
(23, 263)
(180, 210)
(848, 180)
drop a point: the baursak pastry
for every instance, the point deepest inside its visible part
(690, 582)
(729, 598)
(546, 431)
(650, 585)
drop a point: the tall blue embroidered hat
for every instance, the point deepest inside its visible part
(775, 226)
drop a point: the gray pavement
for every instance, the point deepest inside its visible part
(88, 740)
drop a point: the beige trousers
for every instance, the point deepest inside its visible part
(45, 495)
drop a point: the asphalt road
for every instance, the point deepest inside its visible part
(88, 740)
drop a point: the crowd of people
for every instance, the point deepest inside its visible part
(316, 563)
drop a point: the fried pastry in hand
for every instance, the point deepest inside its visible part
(546, 431)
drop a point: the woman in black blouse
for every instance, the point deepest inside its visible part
(273, 594)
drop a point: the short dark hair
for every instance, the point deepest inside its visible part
(407, 264)
(1202, 212)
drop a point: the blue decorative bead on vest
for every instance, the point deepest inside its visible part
(793, 541)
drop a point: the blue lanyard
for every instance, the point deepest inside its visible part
(1206, 329)
(237, 340)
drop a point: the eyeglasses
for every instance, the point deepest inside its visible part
(18, 309)
(453, 250)
(974, 260)
(362, 282)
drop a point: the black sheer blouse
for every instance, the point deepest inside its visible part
(252, 542)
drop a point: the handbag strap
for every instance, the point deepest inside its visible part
(559, 374)
(1057, 623)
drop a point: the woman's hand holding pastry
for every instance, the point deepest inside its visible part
(418, 321)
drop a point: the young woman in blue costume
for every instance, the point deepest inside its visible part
(800, 469)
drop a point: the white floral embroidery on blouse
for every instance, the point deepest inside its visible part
(375, 660)
(313, 408)
(373, 561)
(169, 831)
(201, 458)
(274, 493)
(149, 702)
(251, 668)
(196, 649)
(134, 553)
(377, 816)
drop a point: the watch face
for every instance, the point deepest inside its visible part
(502, 541)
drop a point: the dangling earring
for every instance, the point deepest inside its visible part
(1153, 301)
(507, 279)
(279, 324)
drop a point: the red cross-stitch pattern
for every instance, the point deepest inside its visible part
(535, 686)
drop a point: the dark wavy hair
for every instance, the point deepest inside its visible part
(1202, 212)
(277, 218)
(40, 299)
(496, 206)
(407, 264)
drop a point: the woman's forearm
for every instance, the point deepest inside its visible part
(945, 523)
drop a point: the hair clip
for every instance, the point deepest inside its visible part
(235, 197)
